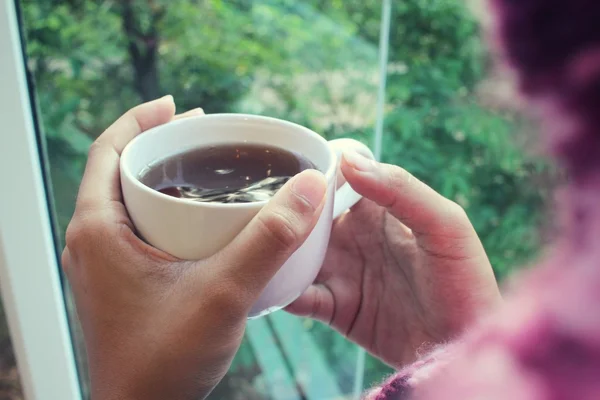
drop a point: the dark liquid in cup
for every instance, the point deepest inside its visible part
(231, 173)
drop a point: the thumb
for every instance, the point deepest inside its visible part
(277, 231)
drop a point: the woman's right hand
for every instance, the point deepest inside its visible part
(156, 327)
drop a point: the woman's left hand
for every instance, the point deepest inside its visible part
(404, 267)
(156, 327)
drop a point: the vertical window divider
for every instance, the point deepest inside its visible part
(384, 42)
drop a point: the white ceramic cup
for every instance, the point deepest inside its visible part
(193, 230)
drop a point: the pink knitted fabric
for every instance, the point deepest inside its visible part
(545, 342)
(544, 345)
(399, 385)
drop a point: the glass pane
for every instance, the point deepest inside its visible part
(312, 62)
(10, 385)
(452, 120)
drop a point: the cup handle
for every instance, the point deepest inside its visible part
(345, 196)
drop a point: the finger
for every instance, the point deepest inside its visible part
(412, 202)
(136, 121)
(192, 113)
(100, 184)
(278, 230)
(316, 303)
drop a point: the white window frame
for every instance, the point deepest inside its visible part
(30, 283)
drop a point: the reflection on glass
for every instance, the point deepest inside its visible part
(313, 62)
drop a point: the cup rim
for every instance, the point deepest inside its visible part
(126, 172)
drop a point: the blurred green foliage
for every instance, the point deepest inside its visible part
(313, 62)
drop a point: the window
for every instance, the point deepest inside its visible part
(411, 79)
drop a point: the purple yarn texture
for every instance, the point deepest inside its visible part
(545, 342)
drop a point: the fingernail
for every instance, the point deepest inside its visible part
(310, 186)
(358, 161)
(170, 97)
(197, 111)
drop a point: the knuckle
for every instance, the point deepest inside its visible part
(84, 232)
(73, 235)
(279, 227)
(65, 260)
(130, 240)
(317, 306)
(299, 206)
(94, 148)
(456, 218)
(398, 177)
(84, 204)
(456, 212)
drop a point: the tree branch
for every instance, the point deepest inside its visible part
(143, 48)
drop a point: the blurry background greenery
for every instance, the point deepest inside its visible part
(313, 62)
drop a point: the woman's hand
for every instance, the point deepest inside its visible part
(157, 327)
(404, 267)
